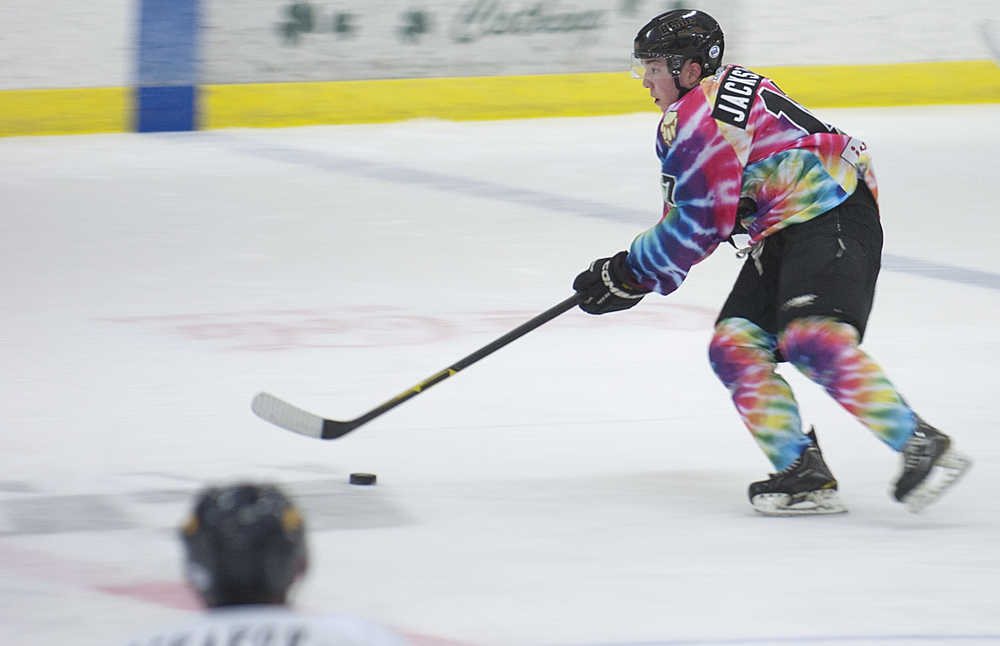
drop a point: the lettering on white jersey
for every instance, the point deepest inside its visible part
(236, 634)
(737, 93)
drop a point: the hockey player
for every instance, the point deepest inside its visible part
(740, 157)
(244, 548)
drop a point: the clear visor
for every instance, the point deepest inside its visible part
(654, 68)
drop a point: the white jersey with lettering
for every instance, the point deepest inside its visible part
(272, 626)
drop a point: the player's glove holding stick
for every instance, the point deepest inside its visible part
(608, 286)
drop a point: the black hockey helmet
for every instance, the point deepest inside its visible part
(681, 35)
(243, 544)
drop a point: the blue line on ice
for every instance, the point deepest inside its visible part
(543, 200)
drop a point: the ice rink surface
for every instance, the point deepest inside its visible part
(584, 486)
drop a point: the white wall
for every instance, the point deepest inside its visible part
(785, 32)
(67, 43)
(244, 42)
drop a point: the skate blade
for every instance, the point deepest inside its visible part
(824, 501)
(946, 471)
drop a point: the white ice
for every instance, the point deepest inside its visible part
(583, 486)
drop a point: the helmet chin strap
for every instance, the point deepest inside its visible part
(680, 88)
(677, 80)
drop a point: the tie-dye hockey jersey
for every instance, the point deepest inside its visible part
(737, 150)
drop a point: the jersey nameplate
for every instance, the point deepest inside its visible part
(736, 96)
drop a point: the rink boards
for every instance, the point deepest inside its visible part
(81, 110)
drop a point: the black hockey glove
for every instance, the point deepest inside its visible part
(607, 286)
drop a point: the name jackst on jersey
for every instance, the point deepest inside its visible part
(736, 149)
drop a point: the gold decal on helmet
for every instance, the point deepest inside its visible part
(291, 520)
(190, 526)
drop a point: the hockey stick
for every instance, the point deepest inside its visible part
(281, 413)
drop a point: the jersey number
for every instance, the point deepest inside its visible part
(780, 105)
(669, 183)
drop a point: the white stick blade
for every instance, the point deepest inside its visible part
(281, 413)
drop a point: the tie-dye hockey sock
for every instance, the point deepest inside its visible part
(826, 351)
(742, 355)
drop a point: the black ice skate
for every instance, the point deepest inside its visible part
(806, 487)
(930, 467)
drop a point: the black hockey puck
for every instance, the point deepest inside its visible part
(363, 478)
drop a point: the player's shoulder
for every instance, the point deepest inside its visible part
(732, 93)
(732, 78)
(732, 70)
(363, 630)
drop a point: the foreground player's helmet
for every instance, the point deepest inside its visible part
(243, 544)
(678, 36)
